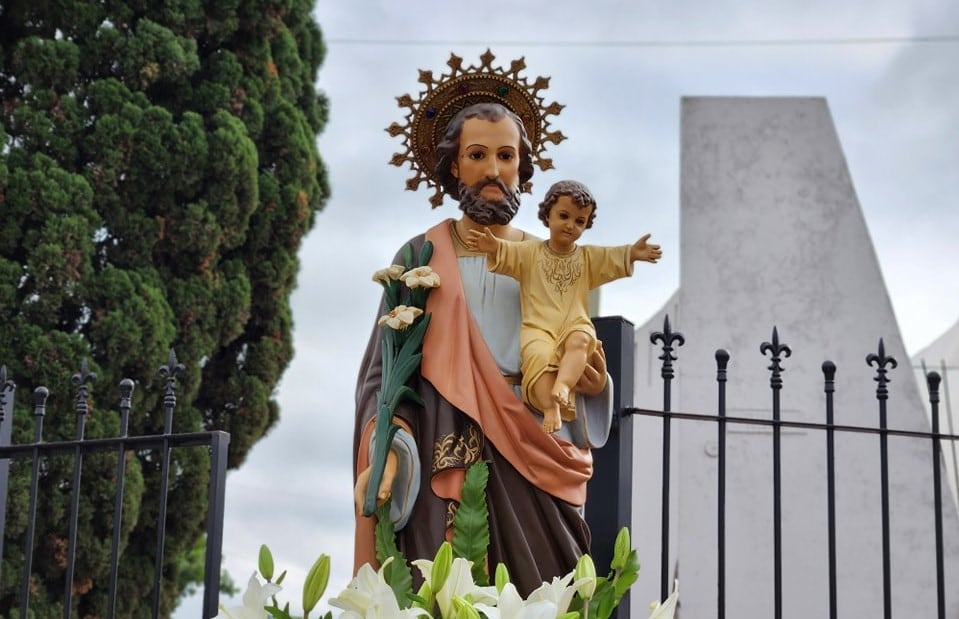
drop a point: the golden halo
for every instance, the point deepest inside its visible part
(427, 117)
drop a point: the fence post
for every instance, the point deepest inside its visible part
(881, 361)
(610, 507)
(667, 339)
(216, 497)
(777, 353)
(6, 425)
(932, 381)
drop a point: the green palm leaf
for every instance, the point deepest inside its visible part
(397, 573)
(471, 523)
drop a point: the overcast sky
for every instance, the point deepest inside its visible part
(889, 71)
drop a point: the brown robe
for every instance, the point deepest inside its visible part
(537, 482)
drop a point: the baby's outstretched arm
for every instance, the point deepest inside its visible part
(647, 252)
(482, 241)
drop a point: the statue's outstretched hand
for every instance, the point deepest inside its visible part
(386, 484)
(647, 252)
(483, 241)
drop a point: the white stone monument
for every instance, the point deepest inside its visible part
(772, 235)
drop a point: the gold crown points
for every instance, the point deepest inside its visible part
(426, 118)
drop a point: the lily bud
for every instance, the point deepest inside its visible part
(316, 581)
(501, 578)
(265, 563)
(441, 566)
(586, 572)
(464, 609)
(621, 549)
(425, 597)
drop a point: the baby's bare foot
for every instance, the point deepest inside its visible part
(561, 394)
(551, 420)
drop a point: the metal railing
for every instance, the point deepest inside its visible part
(613, 463)
(39, 452)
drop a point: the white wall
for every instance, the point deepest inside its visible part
(772, 235)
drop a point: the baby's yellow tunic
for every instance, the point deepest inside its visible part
(554, 297)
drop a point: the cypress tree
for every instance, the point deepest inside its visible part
(158, 171)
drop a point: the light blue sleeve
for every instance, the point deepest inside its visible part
(406, 484)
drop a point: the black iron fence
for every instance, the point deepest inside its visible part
(38, 453)
(611, 495)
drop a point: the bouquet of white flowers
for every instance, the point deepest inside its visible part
(454, 587)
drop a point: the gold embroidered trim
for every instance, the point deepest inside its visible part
(562, 271)
(451, 507)
(453, 450)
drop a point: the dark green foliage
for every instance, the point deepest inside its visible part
(158, 170)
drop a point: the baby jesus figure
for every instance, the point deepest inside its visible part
(555, 276)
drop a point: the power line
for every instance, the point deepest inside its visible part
(651, 43)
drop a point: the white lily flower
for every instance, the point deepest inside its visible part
(254, 601)
(667, 609)
(459, 583)
(400, 317)
(559, 591)
(369, 596)
(389, 274)
(421, 277)
(512, 606)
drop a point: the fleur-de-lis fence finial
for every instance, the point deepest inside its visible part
(169, 372)
(668, 338)
(777, 352)
(883, 364)
(80, 380)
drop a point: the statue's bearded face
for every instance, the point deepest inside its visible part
(487, 168)
(489, 212)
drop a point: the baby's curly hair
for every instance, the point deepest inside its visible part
(578, 193)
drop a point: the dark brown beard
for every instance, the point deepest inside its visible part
(487, 212)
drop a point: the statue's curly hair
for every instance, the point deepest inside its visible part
(578, 193)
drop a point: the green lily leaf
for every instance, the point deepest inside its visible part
(385, 431)
(390, 298)
(426, 253)
(408, 255)
(406, 393)
(417, 331)
(278, 613)
(415, 334)
(405, 366)
(388, 351)
(421, 599)
(627, 575)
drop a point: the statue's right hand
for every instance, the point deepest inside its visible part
(593, 380)
(386, 484)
